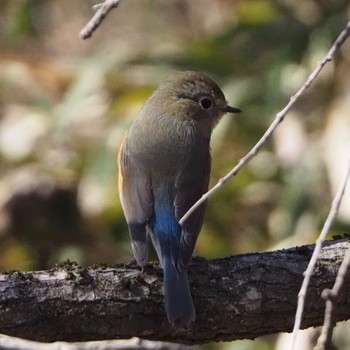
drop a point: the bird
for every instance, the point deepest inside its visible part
(164, 165)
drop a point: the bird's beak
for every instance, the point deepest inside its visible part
(229, 109)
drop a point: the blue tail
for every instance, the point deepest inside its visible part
(177, 295)
(166, 237)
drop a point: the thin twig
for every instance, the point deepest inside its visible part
(278, 119)
(308, 272)
(331, 297)
(102, 11)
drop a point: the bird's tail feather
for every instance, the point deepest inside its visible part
(177, 295)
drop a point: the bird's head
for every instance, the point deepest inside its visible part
(192, 95)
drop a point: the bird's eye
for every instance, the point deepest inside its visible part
(206, 102)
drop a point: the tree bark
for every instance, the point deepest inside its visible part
(238, 297)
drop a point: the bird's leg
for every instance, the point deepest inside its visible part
(131, 263)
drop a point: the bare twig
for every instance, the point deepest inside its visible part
(102, 11)
(331, 297)
(308, 272)
(278, 119)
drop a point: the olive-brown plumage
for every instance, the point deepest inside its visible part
(164, 168)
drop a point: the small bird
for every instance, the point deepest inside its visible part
(164, 168)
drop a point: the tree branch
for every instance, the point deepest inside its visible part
(239, 297)
(331, 296)
(321, 238)
(102, 11)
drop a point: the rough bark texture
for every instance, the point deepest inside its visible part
(238, 297)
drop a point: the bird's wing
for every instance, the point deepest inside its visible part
(137, 200)
(189, 190)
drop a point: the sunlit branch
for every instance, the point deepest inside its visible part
(102, 11)
(331, 297)
(311, 266)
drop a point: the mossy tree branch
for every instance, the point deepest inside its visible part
(238, 297)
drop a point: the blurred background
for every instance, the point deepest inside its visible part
(65, 104)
